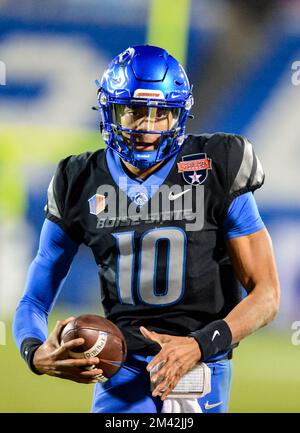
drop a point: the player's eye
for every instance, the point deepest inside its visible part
(136, 112)
(127, 110)
(141, 112)
(162, 113)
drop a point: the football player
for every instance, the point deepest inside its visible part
(172, 224)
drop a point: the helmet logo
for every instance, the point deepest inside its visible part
(175, 95)
(126, 55)
(146, 93)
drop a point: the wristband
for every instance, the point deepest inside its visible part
(213, 338)
(28, 348)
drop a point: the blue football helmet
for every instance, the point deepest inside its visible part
(144, 91)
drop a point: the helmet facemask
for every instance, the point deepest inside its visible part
(144, 134)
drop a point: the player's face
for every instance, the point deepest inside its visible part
(146, 119)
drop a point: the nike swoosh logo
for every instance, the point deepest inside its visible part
(175, 196)
(215, 334)
(211, 406)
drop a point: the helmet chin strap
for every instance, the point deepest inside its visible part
(142, 164)
(143, 159)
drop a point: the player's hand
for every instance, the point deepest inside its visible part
(178, 355)
(52, 358)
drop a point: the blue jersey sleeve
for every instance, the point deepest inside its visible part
(243, 217)
(45, 279)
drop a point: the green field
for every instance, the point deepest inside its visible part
(266, 374)
(266, 379)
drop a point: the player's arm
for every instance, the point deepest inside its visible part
(253, 260)
(45, 279)
(249, 246)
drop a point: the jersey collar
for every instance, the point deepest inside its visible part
(134, 188)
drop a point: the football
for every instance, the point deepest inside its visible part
(102, 339)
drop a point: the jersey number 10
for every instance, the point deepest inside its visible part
(147, 266)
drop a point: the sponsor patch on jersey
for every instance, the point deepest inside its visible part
(97, 204)
(194, 168)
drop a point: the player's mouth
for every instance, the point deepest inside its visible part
(144, 147)
(143, 143)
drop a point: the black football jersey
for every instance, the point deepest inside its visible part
(162, 259)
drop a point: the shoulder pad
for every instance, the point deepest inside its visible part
(245, 172)
(67, 171)
(239, 169)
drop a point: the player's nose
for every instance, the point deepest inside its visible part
(143, 124)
